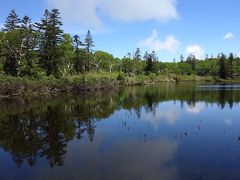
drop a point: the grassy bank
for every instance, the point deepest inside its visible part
(16, 86)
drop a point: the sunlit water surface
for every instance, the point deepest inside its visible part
(167, 132)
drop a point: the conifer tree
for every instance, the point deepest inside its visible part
(181, 58)
(150, 61)
(78, 65)
(12, 22)
(222, 66)
(50, 39)
(29, 39)
(137, 54)
(89, 42)
(231, 70)
(191, 59)
(88, 48)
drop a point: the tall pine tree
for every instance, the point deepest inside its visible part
(50, 38)
(12, 22)
(230, 61)
(29, 42)
(181, 58)
(191, 59)
(88, 48)
(88, 42)
(149, 60)
(222, 67)
(137, 54)
(77, 60)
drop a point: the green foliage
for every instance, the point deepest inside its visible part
(33, 71)
(12, 22)
(127, 66)
(11, 48)
(88, 49)
(88, 42)
(79, 55)
(104, 61)
(66, 49)
(43, 51)
(223, 67)
(50, 38)
(120, 76)
(191, 59)
(184, 69)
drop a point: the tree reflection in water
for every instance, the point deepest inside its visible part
(33, 129)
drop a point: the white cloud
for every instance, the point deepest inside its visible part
(228, 121)
(138, 10)
(78, 11)
(197, 108)
(229, 36)
(154, 42)
(196, 50)
(169, 116)
(90, 12)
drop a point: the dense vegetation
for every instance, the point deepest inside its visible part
(42, 51)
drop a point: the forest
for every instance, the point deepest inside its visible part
(42, 51)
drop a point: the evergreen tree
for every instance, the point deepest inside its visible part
(88, 42)
(181, 58)
(29, 39)
(181, 65)
(206, 57)
(154, 56)
(154, 61)
(191, 59)
(129, 55)
(222, 66)
(50, 39)
(138, 64)
(23, 50)
(145, 57)
(26, 23)
(88, 48)
(231, 59)
(44, 44)
(29, 43)
(149, 67)
(137, 55)
(12, 22)
(78, 65)
(150, 62)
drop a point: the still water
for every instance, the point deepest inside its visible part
(171, 131)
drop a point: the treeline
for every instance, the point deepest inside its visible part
(42, 49)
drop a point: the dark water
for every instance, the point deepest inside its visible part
(164, 132)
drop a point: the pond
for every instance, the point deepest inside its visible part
(168, 131)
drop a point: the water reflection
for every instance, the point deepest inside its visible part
(107, 134)
(195, 108)
(44, 134)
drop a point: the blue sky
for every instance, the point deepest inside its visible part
(170, 27)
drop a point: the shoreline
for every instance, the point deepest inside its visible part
(12, 87)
